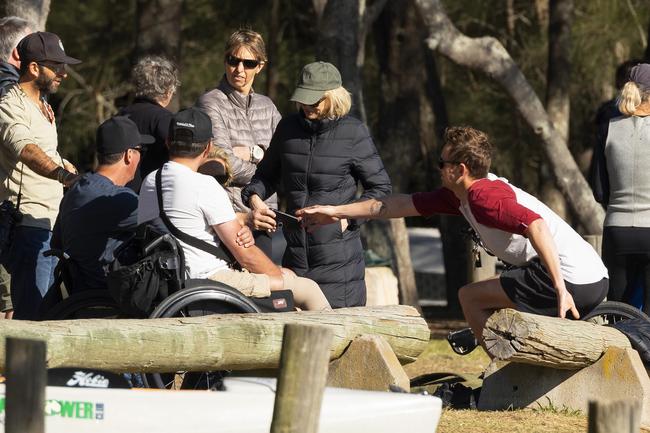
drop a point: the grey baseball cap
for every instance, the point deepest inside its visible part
(315, 79)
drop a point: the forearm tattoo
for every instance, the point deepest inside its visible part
(37, 160)
(378, 208)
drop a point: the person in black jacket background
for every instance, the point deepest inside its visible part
(155, 79)
(318, 156)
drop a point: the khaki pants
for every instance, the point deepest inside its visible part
(306, 292)
(5, 294)
(254, 285)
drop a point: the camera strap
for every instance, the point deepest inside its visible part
(221, 252)
(20, 187)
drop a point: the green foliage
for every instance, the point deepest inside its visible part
(102, 34)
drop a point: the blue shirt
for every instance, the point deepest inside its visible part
(95, 217)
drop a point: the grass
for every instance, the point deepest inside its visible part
(438, 357)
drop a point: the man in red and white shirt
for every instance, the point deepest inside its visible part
(554, 271)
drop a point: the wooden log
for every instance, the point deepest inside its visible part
(217, 342)
(25, 392)
(303, 373)
(549, 341)
(618, 416)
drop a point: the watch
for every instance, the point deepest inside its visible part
(257, 153)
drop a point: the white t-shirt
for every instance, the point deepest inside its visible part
(500, 213)
(194, 203)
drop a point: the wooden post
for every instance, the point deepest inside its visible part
(25, 391)
(617, 416)
(303, 374)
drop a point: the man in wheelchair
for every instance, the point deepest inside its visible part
(98, 213)
(198, 207)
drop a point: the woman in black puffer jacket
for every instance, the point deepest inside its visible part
(319, 155)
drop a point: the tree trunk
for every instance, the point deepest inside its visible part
(511, 335)
(272, 47)
(404, 133)
(647, 46)
(486, 54)
(557, 91)
(159, 32)
(216, 342)
(558, 80)
(34, 11)
(343, 27)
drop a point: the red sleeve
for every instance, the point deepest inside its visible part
(438, 201)
(495, 205)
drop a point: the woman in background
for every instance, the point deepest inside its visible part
(242, 121)
(626, 177)
(155, 79)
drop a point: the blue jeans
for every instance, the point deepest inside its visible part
(32, 274)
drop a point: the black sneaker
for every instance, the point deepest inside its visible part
(462, 341)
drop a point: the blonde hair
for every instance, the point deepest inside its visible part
(631, 97)
(219, 154)
(337, 103)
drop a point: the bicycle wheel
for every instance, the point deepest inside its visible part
(610, 312)
(201, 299)
(86, 304)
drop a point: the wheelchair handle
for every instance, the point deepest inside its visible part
(164, 238)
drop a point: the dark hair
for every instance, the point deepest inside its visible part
(182, 146)
(110, 158)
(12, 30)
(471, 147)
(249, 39)
(155, 77)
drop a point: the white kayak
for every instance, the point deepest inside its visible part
(245, 406)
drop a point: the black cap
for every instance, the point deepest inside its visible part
(43, 46)
(118, 134)
(640, 74)
(190, 125)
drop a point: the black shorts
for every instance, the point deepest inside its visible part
(531, 289)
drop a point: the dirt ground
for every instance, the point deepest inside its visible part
(438, 357)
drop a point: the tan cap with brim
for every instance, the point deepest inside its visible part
(315, 79)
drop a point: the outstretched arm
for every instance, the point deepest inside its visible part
(392, 206)
(541, 239)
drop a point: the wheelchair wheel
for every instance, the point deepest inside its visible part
(610, 312)
(87, 304)
(201, 298)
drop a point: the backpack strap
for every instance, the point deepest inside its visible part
(220, 252)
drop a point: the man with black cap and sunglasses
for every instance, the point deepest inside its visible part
(198, 207)
(98, 212)
(32, 167)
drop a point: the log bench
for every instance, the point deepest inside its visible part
(544, 361)
(365, 339)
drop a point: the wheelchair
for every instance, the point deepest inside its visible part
(193, 298)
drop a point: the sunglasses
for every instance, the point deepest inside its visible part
(141, 150)
(315, 104)
(442, 162)
(248, 63)
(58, 68)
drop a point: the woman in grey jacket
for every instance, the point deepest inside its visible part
(242, 121)
(319, 155)
(626, 235)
